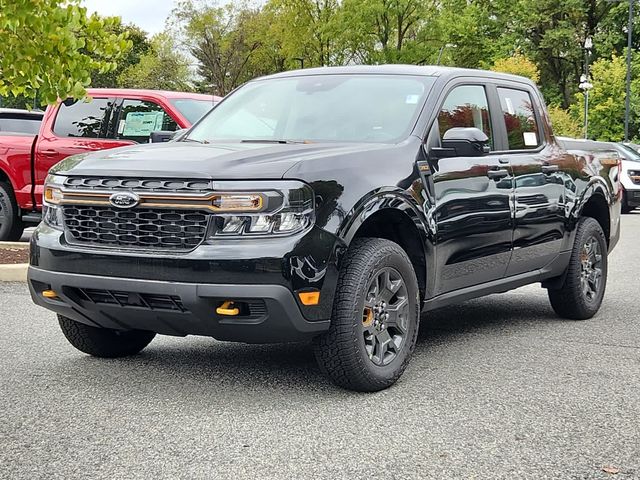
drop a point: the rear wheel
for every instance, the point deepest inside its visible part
(582, 292)
(104, 342)
(11, 227)
(374, 324)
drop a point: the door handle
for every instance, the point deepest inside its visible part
(49, 153)
(549, 169)
(497, 174)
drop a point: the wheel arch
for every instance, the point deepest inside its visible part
(596, 204)
(391, 216)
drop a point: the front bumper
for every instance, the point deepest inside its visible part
(633, 198)
(175, 308)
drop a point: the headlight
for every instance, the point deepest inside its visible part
(293, 213)
(634, 175)
(51, 212)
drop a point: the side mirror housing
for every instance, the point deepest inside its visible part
(161, 136)
(462, 142)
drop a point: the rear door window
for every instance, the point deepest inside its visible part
(77, 118)
(519, 118)
(466, 106)
(139, 118)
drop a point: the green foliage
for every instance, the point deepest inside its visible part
(161, 68)
(563, 123)
(140, 46)
(607, 99)
(222, 39)
(50, 47)
(517, 64)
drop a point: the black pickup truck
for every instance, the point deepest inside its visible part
(331, 205)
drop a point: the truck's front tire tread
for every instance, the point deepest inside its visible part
(338, 351)
(104, 342)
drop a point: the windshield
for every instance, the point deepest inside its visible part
(192, 110)
(318, 108)
(630, 153)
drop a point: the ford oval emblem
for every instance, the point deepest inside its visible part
(124, 200)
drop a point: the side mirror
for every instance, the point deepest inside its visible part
(462, 142)
(161, 136)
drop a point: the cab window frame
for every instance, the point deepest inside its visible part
(537, 109)
(433, 136)
(117, 116)
(106, 119)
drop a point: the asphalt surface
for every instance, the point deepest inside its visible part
(498, 388)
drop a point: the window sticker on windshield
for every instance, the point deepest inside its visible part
(141, 124)
(121, 125)
(510, 109)
(530, 139)
(412, 99)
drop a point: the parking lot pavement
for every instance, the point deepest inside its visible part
(498, 388)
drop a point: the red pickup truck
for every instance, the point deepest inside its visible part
(113, 118)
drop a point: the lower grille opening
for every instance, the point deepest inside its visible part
(145, 301)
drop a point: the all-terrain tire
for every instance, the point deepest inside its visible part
(104, 342)
(341, 351)
(11, 227)
(570, 300)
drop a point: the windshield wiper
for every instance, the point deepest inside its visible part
(187, 139)
(268, 140)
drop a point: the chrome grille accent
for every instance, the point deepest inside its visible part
(139, 184)
(136, 228)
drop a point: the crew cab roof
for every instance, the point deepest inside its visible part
(121, 92)
(417, 70)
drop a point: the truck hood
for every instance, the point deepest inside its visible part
(214, 161)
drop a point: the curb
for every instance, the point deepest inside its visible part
(23, 245)
(14, 273)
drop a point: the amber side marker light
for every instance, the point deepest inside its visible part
(309, 298)
(49, 294)
(227, 308)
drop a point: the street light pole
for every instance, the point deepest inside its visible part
(585, 85)
(627, 101)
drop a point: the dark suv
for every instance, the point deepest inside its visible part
(332, 205)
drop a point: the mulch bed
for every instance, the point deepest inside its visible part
(12, 255)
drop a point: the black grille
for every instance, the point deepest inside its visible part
(131, 299)
(139, 184)
(144, 227)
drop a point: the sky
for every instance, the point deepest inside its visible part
(149, 15)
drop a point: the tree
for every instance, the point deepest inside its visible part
(50, 48)
(563, 123)
(313, 31)
(221, 40)
(517, 64)
(387, 31)
(140, 47)
(162, 68)
(607, 99)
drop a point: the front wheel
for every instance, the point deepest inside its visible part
(580, 296)
(104, 342)
(374, 324)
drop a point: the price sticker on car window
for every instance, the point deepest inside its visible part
(530, 139)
